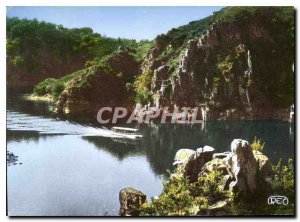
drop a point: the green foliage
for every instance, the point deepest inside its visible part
(180, 197)
(12, 45)
(283, 184)
(32, 40)
(143, 97)
(142, 85)
(272, 59)
(284, 178)
(178, 36)
(257, 145)
(16, 61)
(141, 50)
(49, 86)
(225, 64)
(216, 82)
(242, 13)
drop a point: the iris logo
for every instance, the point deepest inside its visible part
(278, 200)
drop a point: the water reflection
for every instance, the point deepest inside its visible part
(161, 142)
(19, 136)
(55, 165)
(118, 148)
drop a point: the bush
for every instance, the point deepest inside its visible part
(143, 97)
(57, 88)
(49, 86)
(180, 197)
(284, 177)
(16, 61)
(283, 184)
(257, 145)
(41, 88)
(142, 85)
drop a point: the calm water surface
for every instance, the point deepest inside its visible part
(68, 169)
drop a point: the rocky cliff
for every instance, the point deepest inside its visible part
(241, 67)
(236, 64)
(89, 89)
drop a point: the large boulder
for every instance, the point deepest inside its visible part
(263, 166)
(182, 156)
(192, 165)
(215, 164)
(131, 201)
(243, 167)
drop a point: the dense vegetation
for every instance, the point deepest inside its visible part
(37, 50)
(180, 197)
(272, 59)
(26, 37)
(168, 48)
(99, 49)
(234, 14)
(178, 36)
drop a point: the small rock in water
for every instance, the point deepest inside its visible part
(11, 159)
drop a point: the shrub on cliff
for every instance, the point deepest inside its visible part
(142, 86)
(50, 86)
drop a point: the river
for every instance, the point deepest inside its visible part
(75, 168)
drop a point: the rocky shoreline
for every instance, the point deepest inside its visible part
(245, 173)
(229, 114)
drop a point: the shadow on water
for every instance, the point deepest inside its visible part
(18, 136)
(119, 148)
(161, 142)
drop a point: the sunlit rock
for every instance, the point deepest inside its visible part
(243, 166)
(131, 201)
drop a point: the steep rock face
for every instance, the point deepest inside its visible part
(239, 69)
(99, 87)
(224, 81)
(124, 63)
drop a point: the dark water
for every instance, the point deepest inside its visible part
(67, 170)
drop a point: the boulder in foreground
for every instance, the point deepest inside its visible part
(131, 201)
